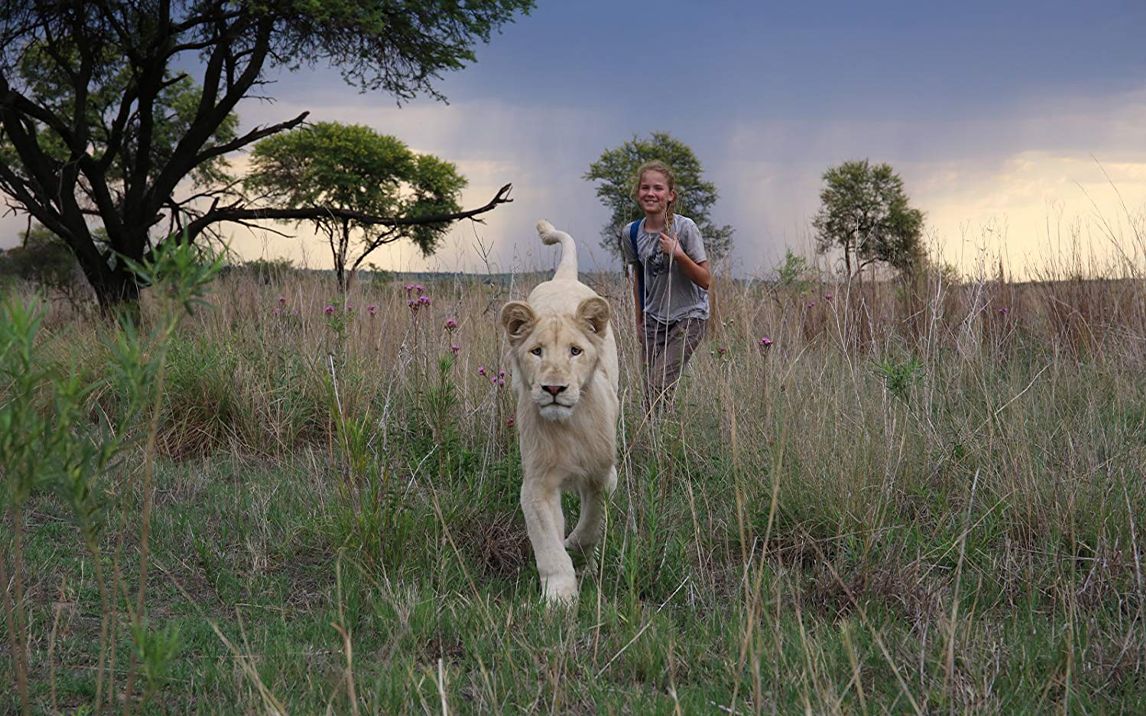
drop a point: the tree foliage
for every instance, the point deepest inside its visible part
(354, 168)
(865, 212)
(617, 169)
(122, 113)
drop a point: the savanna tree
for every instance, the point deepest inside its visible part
(122, 113)
(361, 173)
(865, 212)
(616, 171)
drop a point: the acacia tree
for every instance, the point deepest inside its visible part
(616, 170)
(121, 113)
(865, 211)
(364, 173)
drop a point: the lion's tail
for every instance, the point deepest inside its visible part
(567, 268)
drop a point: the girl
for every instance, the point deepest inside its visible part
(670, 280)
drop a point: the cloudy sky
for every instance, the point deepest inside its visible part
(1018, 126)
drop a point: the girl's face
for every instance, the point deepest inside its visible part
(653, 193)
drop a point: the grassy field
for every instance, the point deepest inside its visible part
(927, 500)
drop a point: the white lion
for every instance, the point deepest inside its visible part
(565, 377)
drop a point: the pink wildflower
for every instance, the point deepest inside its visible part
(765, 342)
(510, 422)
(451, 324)
(1003, 310)
(481, 370)
(329, 310)
(454, 348)
(372, 309)
(282, 300)
(424, 300)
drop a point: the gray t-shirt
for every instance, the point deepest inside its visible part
(669, 294)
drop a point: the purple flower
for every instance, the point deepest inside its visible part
(510, 422)
(424, 300)
(372, 309)
(810, 304)
(500, 382)
(721, 351)
(409, 288)
(454, 348)
(1003, 310)
(765, 342)
(827, 296)
(282, 300)
(451, 324)
(419, 288)
(481, 370)
(329, 310)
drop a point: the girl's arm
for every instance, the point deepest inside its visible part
(696, 272)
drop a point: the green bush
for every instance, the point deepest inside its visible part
(265, 271)
(43, 260)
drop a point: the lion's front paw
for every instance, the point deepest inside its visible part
(560, 589)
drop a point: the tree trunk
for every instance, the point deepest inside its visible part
(340, 261)
(115, 288)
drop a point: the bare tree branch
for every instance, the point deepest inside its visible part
(241, 214)
(252, 136)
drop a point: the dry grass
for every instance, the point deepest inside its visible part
(915, 498)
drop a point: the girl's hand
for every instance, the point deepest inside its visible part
(670, 245)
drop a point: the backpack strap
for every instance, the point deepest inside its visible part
(633, 228)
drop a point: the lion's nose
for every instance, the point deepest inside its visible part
(553, 389)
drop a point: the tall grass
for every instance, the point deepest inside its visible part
(920, 498)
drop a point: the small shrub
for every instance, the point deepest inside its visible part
(899, 376)
(45, 261)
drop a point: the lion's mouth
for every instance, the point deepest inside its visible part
(555, 410)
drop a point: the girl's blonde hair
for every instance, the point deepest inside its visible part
(657, 165)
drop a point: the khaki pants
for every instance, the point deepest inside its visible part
(667, 348)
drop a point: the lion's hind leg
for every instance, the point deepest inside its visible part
(591, 524)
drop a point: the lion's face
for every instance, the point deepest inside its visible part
(555, 355)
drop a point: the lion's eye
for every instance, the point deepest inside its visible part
(536, 351)
(575, 350)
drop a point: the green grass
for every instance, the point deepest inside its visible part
(861, 518)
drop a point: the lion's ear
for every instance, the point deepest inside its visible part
(594, 313)
(517, 318)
